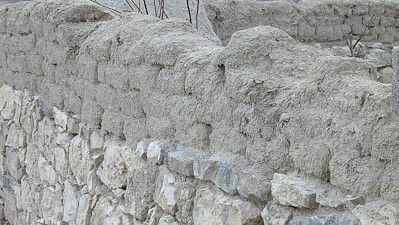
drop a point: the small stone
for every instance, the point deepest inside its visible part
(355, 200)
(156, 151)
(386, 75)
(341, 51)
(375, 45)
(154, 214)
(73, 125)
(290, 190)
(141, 148)
(96, 141)
(60, 119)
(167, 220)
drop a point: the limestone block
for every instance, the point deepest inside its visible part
(13, 164)
(10, 209)
(181, 161)
(16, 138)
(60, 161)
(70, 202)
(290, 190)
(113, 170)
(212, 206)
(166, 198)
(93, 182)
(157, 149)
(50, 205)
(141, 148)
(276, 215)
(84, 210)
(7, 105)
(378, 212)
(253, 183)
(217, 170)
(47, 173)
(61, 119)
(80, 159)
(96, 140)
(101, 210)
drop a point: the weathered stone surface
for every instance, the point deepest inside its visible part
(61, 119)
(218, 170)
(276, 215)
(80, 159)
(114, 169)
(341, 218)
(166, 198)
(71, 202)
(380, 57)
(141, 148)
(212, 206)
(157, 150)
(379, 212)
(252, 183)
(290, 190)
(181, 161)
(96, 141)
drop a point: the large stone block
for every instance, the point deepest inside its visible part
(290, 190)
(213, 207)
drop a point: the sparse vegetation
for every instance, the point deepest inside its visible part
(351, 42)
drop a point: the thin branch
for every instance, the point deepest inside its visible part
(138, 8)
(196, 15)
(130, 6)
(189, 11)
(163, 8)
(106, 7)
(155, 8)
(364, 31)
(346, 39)
(145, 7)
(164, 13)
